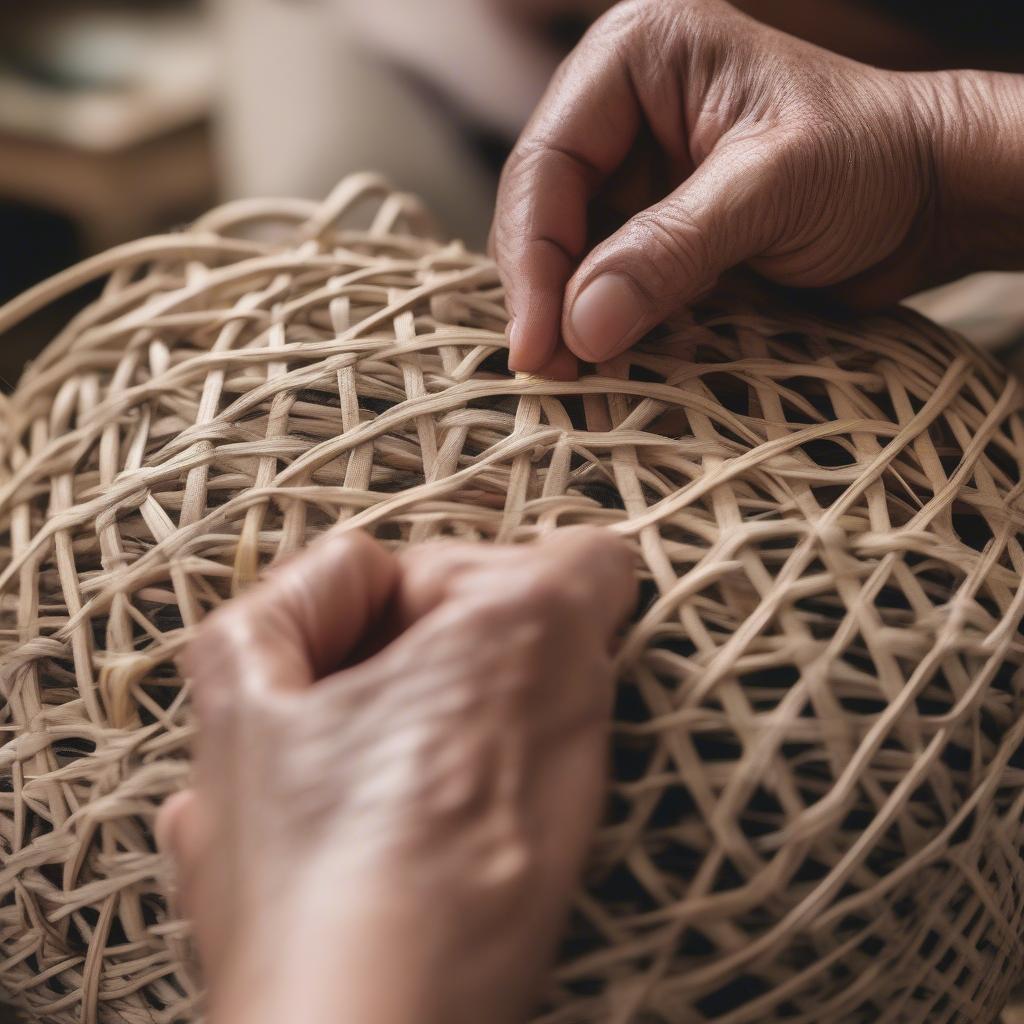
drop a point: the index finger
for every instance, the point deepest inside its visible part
(587, 568)
(580, 133)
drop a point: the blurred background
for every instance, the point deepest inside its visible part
(118, 119)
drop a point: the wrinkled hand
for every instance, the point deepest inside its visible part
(740, 144)
(401, 762)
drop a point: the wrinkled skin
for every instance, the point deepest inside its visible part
(739, 144)
(401, 758)
(401, 763)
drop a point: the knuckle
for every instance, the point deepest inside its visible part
(546, 598)
(623, 17)
(656, 20)
(668, 251)
(604, 555)
(797, 144)
(540, 595)
(626, 32)
(801, 161)
(623, 32)
(632, 16)
(438, 564)
(594, 543)
(352, 544)
(419, 560)
(527, 165)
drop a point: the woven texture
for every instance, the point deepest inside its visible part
(818, 785)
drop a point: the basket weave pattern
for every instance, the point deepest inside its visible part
(818, 787)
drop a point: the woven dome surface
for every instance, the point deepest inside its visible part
(818, 787)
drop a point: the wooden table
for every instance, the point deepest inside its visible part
(112, 196)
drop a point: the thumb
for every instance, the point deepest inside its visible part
(673, 252)
(310, 615)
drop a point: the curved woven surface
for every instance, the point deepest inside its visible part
(818, 792)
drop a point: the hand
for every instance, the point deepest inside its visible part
(743, 145)
(401, 763)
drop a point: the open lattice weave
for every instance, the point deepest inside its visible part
(818, 787)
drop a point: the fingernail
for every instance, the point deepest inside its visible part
(513, 345)
(520, 357)
(514, 333)
(605, 316)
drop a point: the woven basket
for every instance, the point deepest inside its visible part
(818, 782)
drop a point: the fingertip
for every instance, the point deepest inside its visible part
(341, 550)
(562, 366)
(517, 358)
(533, 334)
(540, 236)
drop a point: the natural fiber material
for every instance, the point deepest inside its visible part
(818, 785)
